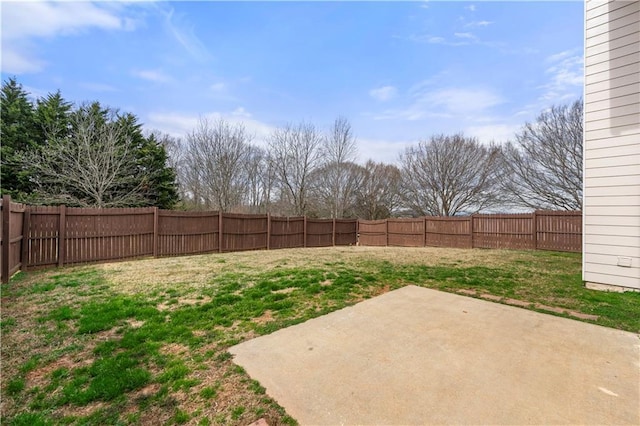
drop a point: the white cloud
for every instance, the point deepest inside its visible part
(184, 33)
(493, 132)
(382, 151)
(156, 76)
(446, 103)
(471, 7)
(465, 35)
(458, 39)
(460, 100)
(25, 22)
(427, 38)
(566, 76)
(218, 87)
(478, 24)
(14, 62)
(241, 112)
(556, 57)
(48, 19)
(383, 93)
(180, 124)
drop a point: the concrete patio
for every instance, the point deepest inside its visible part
(420, 356)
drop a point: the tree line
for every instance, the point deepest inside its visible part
(94, 156)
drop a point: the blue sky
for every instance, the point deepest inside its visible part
(399, 71)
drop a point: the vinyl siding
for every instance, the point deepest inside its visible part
(612, 143)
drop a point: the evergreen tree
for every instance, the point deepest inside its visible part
(157, 180)
(53, 117)
(18, 135)
(162, 178)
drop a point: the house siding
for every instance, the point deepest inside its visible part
(612, 144)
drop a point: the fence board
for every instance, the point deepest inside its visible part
(287, 232)
(181, 233)
(405, 232)
(96, 235)
(452, 232)
(346, 232)
(559, 231)
(503, 231)
(244, 232)
(42, 240)
(319, 232)
(372, 232)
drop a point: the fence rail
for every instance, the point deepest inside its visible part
(44, 236)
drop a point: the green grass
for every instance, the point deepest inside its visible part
(101, 352)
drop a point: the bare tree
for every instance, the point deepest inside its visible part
(334, 189)
(544, 165)
(93, 166)
(295, 154)
(216, 158)
(378, 194)
(260, 178)
(338, 179)
(450, 175)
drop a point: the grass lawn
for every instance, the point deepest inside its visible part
(145, 342)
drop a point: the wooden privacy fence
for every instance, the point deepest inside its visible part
(542, 230)
(43, 236)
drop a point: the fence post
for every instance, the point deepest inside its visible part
(386, 233)
(155, 232)
(62, 234)
(535, 230)
(424, 233)
(220, 231)
(26, 224)
(333, 236)
(6, 239)
(304, 231)
(268, 231)
(472, 230)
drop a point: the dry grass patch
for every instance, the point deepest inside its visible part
(192, 273)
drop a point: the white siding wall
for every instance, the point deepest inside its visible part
(612, 143)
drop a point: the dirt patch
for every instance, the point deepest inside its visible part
(583, 316)
(135, 323)
(85, 410)
(491, 297)
(40, 376)
(264, 318)
(182, 301)
(516, 302)
(550, 308)
(381, 290)
(285, 290)
(193, 301)
(174, 349)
